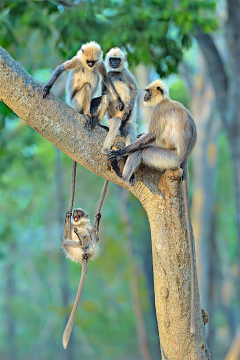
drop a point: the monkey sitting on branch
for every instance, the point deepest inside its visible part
(123, 120)
(82, 83)
(79, 245)
(168, 144)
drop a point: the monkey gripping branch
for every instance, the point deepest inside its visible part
(66, 129)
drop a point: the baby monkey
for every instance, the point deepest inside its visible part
(82, 83)
(168, 144)
(80, 247)
(123, 120)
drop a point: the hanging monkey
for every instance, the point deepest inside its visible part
(80, 247)
(82, 83)
(168, 144)
(80, 243)
(123, 120)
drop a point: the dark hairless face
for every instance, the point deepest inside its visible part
(77, 214)
(148, 94)
(91, 63)
(114, 62)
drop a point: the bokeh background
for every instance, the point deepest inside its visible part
(116, 317)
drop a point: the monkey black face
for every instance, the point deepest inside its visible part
(114, 62)
(148, 94)
(78, 214)
(91, 63)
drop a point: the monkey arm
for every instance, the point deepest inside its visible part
(72, 243)
(67, 225)
(67, 65)
(136, 145)
(109, 85)
(134, 88)
(80, 237)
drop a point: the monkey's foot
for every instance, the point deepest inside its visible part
(132, 180)
(115, 167)
(106, 151)
(89, 121)
(46, 91)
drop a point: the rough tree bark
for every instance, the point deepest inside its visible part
(66, 129)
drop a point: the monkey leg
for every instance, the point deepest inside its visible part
(98, 109)
(67, 226)
(102, 108)
(81, 100)
(160, 158)
(129, 132)
(114, 125)
(132, 164)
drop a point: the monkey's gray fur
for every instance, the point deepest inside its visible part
(126, 87)
(80, 247)
(83, 80)
(167, 145)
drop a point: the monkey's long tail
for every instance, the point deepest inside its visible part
(68, 328)
(190, 241)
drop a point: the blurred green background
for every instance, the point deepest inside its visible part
(116, 317)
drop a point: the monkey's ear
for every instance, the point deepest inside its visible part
(160, 89)
(82, 50)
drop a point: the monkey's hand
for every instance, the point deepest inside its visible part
(120, 105)
(127, 114)
(46, 91)
(114, 154)
(139, 135)
(75, 230)
(68, 214)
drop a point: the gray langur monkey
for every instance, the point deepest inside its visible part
(126, 87)
(168, 144)
(81, 247)
(82, 83)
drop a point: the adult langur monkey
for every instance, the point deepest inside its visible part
(126, 87)
(82, 83)
(168, 144)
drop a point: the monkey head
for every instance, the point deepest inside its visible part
(155, 93)
(79, 216)
(90, 53)
(116, 60)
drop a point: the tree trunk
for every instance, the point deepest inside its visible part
(65, 128)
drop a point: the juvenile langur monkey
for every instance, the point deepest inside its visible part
(168, 144)
(82, 83)
(81, 247)
(123, 120)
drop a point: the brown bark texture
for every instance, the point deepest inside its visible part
(160, 194)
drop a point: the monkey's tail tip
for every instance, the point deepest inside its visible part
(192, 330)
(65, 340)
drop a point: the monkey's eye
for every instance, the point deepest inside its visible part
(160, 89)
